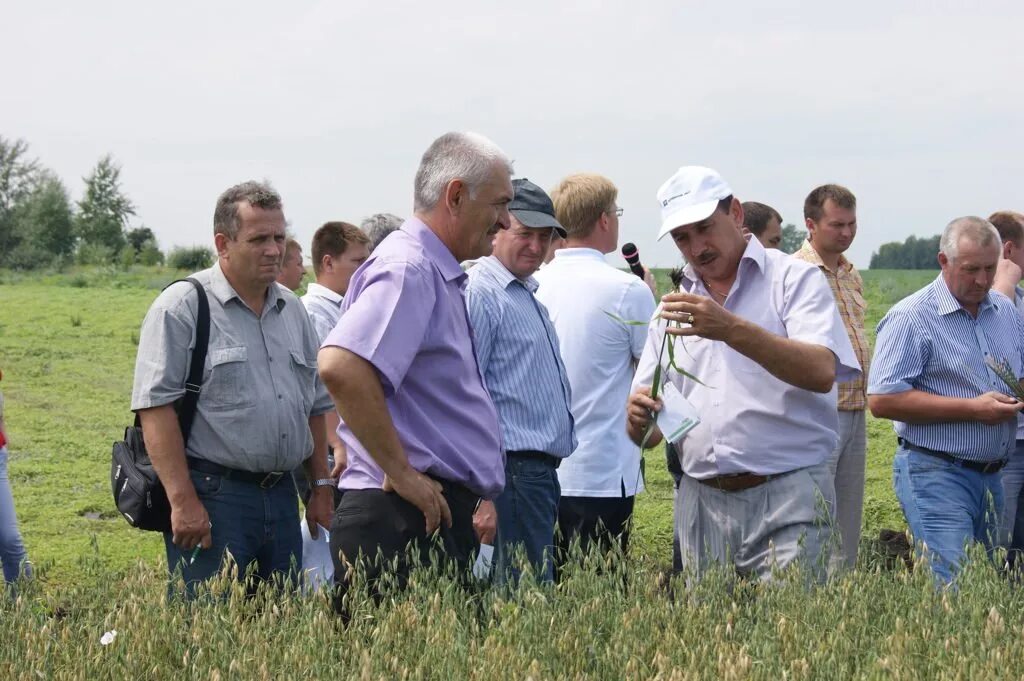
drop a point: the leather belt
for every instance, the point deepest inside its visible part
(262, 480)
(980, 466)
(735, 482)
(536, 456)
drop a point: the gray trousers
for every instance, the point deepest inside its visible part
(846, 465)
(782, 521)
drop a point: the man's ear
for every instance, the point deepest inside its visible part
(221, 240)
(943, 260)
(736, 210)
(1008, 249)
(327, 263)
(456, 193)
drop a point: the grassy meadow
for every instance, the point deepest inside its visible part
(67, 348)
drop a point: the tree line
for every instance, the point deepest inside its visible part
(40, 226)
(913, 254)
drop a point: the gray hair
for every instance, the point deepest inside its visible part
(464, 156)
(256, 194)
(979, 230)
(378, 226)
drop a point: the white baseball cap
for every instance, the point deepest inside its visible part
(689, 196)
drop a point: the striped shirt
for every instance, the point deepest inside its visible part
(928, 342)
(517, 350)
(848, 289)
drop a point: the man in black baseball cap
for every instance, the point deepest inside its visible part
(517, 351)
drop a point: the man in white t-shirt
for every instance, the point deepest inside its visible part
(584, 295)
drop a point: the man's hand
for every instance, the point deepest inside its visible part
(1008, 274)
(709, 319)
(994, 408)
(340, 459)
(190, 524)
(639, 410)
(640, 407)
(485, 522)
(319, 510)
(425, 494)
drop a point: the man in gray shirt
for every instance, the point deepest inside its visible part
(261, 406)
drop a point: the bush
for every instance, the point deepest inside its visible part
(28, 257)
(191, 259)
(95, 254)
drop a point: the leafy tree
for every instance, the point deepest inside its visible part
(104, 210)
(150, 254)
(44, 219)
(792, 238)
(138, 237)
(18, 175)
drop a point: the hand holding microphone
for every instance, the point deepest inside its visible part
(632, 256)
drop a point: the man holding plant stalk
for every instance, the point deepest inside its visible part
(757, 347)
(421, 431)
(937, 375)
(517, 349)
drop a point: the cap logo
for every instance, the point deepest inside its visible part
(670, 199)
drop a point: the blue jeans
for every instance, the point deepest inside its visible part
(259, 527)
(947, 506)
(12, 551)
(527, 513)
(1011, 530)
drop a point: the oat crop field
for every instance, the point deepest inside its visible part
(67, 348)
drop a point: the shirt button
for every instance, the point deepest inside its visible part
(283, 437)
(279, 397)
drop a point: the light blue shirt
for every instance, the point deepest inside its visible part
(323, 307)
(517, 349)
(928, 342)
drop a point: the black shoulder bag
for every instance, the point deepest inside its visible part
(138, 493)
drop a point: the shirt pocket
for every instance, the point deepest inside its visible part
(305, 373)
(229, 384)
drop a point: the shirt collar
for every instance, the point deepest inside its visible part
(501, 274)
(946, 303)
(579, 253)
(808, 253)
(435, 249)
(754, 253)
(321, 291)
(223, 291)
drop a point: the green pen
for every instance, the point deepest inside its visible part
(195, 552)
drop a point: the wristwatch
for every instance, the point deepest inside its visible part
(324, 482)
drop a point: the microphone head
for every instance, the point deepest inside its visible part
(629, 249)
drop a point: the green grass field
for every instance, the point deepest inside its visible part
(67, 348)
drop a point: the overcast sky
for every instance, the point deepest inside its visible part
(917, 107)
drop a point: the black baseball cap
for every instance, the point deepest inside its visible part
(533, 208)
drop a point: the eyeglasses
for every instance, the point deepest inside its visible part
(618, 212)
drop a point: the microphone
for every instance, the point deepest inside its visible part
(632, 257)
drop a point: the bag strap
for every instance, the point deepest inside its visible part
(194, 382)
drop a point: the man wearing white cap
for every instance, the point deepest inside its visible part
(762, 331)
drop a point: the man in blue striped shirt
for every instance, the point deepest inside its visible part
(954, 422)
(517, 350)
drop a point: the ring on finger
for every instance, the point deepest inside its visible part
(689, 318)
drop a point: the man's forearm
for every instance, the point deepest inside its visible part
(359, 399)
(804, 365)
(316, 465)
(162, 434)
(331, 423)
(916, 406)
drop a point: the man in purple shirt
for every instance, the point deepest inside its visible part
(422, 434)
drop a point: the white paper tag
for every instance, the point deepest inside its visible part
(677, 416)
(484, 561)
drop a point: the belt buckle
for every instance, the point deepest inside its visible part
(271, 479)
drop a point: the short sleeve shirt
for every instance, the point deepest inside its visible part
(260, 383)
(405, 313)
